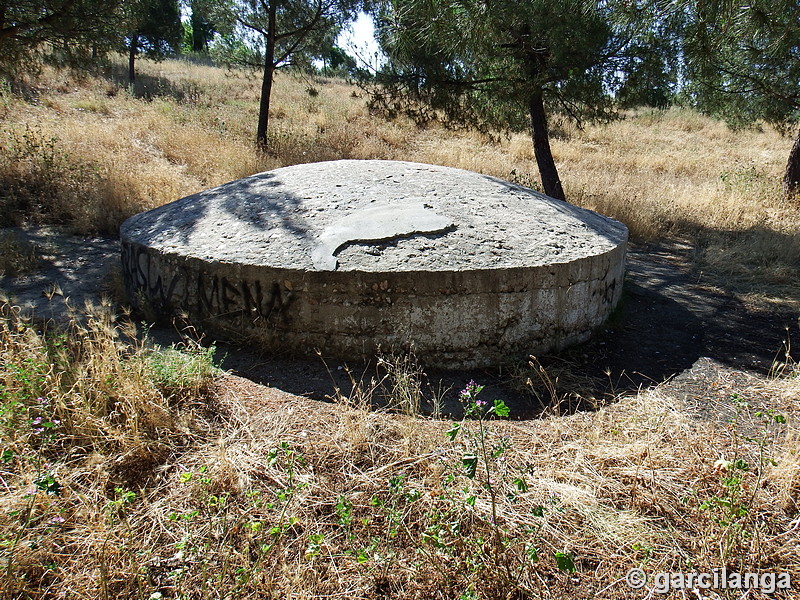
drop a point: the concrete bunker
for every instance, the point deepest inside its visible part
(351, 256)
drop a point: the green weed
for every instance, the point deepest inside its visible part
(181, 372)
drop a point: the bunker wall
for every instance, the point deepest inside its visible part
(454, 319)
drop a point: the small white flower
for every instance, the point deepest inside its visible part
(722, 465)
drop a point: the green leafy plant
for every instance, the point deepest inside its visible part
(40, 178)
(481, 454)
(182, 371)
(479, 451)
(740, 480)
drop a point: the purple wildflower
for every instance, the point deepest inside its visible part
(467, 391)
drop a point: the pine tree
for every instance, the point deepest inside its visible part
(71, 30)
(281, 33)
(203, 28)
(744, 65)
(499, 63)
(155, 30)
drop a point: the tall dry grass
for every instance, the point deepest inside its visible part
(83, 408)
(88, 152)
(129, 471)
(119, 482)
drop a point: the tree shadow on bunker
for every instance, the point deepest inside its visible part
(666, 321)
(244, 200)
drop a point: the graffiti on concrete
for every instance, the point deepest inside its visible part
(609, 292)
(220, 297)
(142, 275)
(214, 295)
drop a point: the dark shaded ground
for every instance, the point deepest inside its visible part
(70, 271)
(668, 319)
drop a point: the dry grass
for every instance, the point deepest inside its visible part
(135, 473)
(119, 482)
(17, 255)
(88, 153)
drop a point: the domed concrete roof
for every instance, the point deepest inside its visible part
(347, 257)
(371, 215)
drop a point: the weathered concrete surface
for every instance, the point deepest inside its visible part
(349, 256)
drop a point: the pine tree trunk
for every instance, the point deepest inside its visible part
(263, 107)
(198, 33)
(266, 83)
(132, 59)
(541, 148)
(791, 179)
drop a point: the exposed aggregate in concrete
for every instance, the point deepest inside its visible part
(278, 218)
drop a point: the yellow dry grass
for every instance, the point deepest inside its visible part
(187, 127)
(138, 491)
(133, 472)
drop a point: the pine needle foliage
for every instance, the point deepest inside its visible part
(480, 64)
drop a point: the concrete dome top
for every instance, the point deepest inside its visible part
(375, 216)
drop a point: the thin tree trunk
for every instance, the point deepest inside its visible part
(791, 179)
(194, 21)
(2, 24)
(132, 59)
(199, 43)
(541, 148)
(263, 109)
(266, 83)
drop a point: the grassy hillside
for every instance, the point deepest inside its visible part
(130, 470)
(89, 153)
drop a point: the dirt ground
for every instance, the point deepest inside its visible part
(672, 325)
